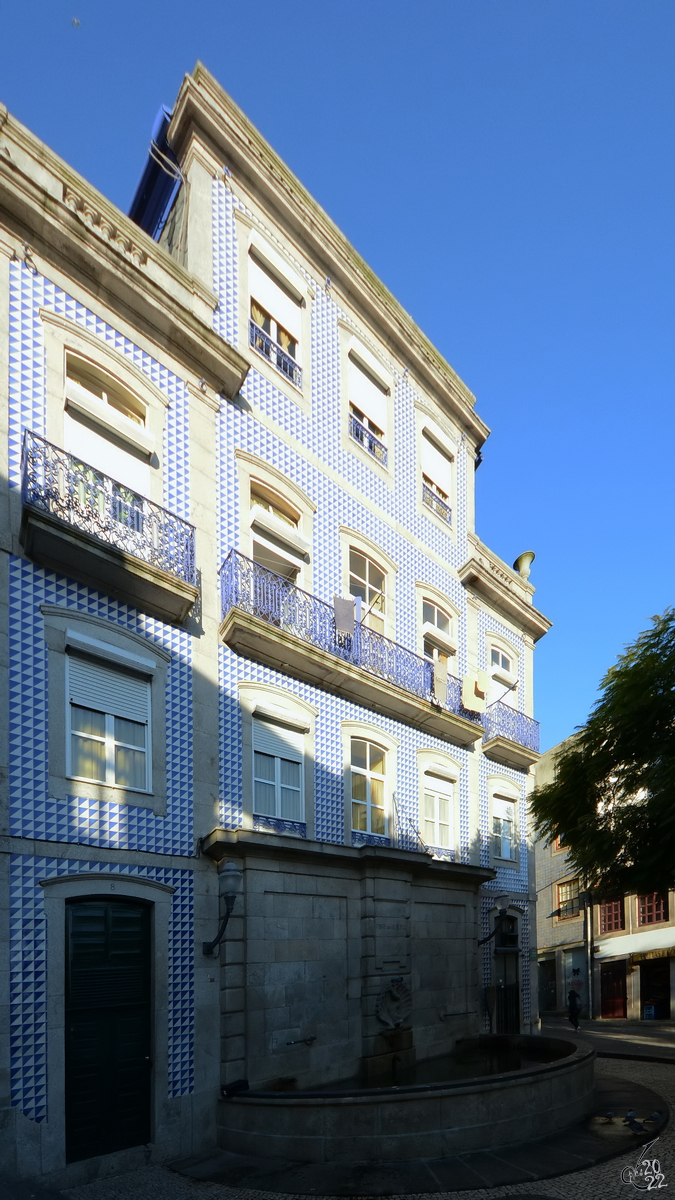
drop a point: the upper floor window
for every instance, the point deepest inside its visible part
(275, 320)
(499, 659)
(652, 908)
(436, 477)
(369, 398)
(437, 631)
(568, 899)
(503, 676)
(95, 385)
(109, 718)
(504, 827)
(274, 504)
(612, 916)
(368, 780)
(278, 757)
(367, 584)
(437, 805)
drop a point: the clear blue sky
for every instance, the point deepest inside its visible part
(507, 167)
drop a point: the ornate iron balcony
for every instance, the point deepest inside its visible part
(500, 720)
(436, 504)
(258, 591)
(272, 351)
(59, 484)
(365, 438)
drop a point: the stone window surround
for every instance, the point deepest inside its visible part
(101, 886)
(442, 765)
(280, 263)
(350, 341)
(504, 789)
(349, 538)
(426, 591)
(62, 336)
(446, 437)
(268, 698)
(58, 620)
(250, 468)
(369, 733)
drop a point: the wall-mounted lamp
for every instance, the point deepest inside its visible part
(232, 877)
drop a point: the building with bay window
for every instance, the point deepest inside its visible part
(249, 620)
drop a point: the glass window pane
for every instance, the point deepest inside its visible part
(444, 809)
(357, 589)
(359, 817)
(376, 578)
(429, 833)
(359, 753)
(494, 658)
(428, 649)
(84, 720)
(377, 792)
(88, 758)
(263, 799)
(377, 820)
(289, 773)
(357, 564)
(444, 836)
(290, 804)
(376, 758)
(264, 766)
(428, 613)
(442, 621)
(506, 663)
(376, 600)
(358, 787)
(129, 767)
(132, 733)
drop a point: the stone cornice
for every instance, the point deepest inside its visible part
(503, 588)
(73, 228)
(204, 107)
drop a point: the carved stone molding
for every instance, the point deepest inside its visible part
(102, 227)
(394, 1003)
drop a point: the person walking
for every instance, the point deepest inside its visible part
(574, 1007)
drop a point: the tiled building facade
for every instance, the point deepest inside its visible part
(247, 618)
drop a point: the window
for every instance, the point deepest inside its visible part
(436, 477)
(278, 759)
(97, 386)
(109, 717)
(504, 827)
(560, 844)
(499, 659)
(612, 916)
(368, 777)
(275, 542)
(275, 319)
(437, 805)
(503, 676)
(274, 504)
(368, 403)
(436, 621)
(568, 899)
(367, 585)
(652, 908)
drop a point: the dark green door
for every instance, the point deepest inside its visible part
(107, 1026)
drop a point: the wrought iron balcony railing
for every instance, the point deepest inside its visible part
(500, 720)
(58, 483)
(272, 351)
(255, 589)
(365, 438)
(436, 504)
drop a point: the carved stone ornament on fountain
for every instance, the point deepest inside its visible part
(394, 1003)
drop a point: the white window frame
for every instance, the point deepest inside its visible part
(265, 716)
(370, 775)
(108, 739)
(445, 772)
(503, 792)
(506, 682)
(364, 351)
(294, 545)
(351, 540)
(369, 733)
(447, 439)
(283, 708)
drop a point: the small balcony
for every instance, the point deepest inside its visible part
(269, 620)
(273, 352)
(371, 444)
(437, 505)
(77, 520)
(510, 737)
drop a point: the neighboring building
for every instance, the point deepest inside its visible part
(248, 619)
(630, 940)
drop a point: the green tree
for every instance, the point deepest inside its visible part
(613, 798)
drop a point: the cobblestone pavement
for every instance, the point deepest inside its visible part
(601, 1182)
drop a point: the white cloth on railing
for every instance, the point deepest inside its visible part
(441, 680)
(344, 614)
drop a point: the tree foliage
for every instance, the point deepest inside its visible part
(613, 798)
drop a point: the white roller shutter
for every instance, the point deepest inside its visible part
(94, 685)
(270, 296)
(435, 463)
(505, 809)
(366, 395)
(278, 740)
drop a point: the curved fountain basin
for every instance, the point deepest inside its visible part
(347, 1123)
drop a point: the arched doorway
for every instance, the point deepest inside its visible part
(108, 1026)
